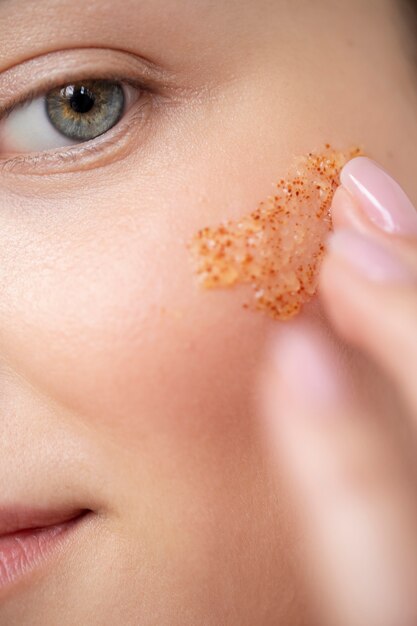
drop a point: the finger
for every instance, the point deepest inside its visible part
(382, 205)
(368, 281)
(372, 203)
(354, 493)
(346, 214)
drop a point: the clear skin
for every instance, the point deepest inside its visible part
(124, 387)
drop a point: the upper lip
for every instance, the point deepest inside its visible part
(16, 518)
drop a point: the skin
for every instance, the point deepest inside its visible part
(125, 388)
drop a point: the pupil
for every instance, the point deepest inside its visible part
(82, 100)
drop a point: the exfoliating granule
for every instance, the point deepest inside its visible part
(277, 249)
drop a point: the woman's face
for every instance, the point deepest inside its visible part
(124, 387)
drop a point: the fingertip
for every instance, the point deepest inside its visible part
(371, 302)
(347, 214)
(380, 197)
(343, 209)
(372, 260)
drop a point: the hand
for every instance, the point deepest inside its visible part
(352, 471)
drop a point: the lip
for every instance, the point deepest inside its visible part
(29, 537)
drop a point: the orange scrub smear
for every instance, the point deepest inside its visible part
(277, 249)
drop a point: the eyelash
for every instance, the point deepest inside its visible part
(17, 102)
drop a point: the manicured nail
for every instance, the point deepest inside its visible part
(373, 260)
(380, 196)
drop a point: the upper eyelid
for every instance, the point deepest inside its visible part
(137, 72)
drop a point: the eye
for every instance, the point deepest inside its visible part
(65, 116)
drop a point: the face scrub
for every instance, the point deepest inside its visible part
(277, 249)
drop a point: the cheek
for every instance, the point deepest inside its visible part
(101, 313)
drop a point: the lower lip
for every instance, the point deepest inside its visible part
(29, 549)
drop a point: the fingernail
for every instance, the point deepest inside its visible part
(380, 196)
(373, 260)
